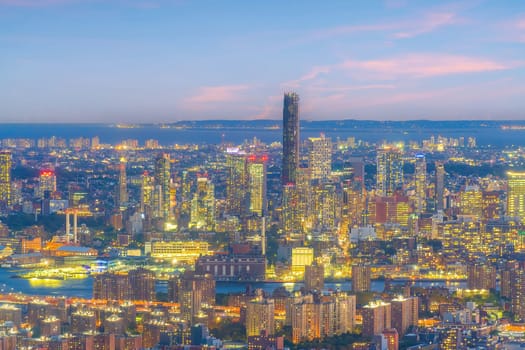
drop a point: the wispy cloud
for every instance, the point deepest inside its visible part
(427, 24)
(272, 109)
(217, 94)
(423, 66)
(312, 74)
(411, 66)
(403, 29)
(518, 27)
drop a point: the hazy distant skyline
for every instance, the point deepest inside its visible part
(161, 61)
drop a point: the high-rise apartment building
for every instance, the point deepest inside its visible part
(471, 202)
(420, 183)
(314, 316)
(122, 193)
(389, 170)
(146, 192)
(47, 182)
(361, 276)
(142, 282)
(203, 206)
(481, 276)
(513, 287)
(257, 184)
(516, 195)
(319, 157)
(260, 316)
(194, 292)
(291, 138)
(314, 277)
(376, 318)
(83, 321)
(405, 313)
(161, 197)
(5, 177)
(237, 182)
(440, 185)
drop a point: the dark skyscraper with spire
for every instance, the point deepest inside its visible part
(290, 137)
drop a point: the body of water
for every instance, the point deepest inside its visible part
(83, 288)
(485, 136)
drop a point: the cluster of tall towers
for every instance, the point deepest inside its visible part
(246, 196)
(158, 191)
(309, 196)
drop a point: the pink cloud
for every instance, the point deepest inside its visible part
(427, 24)
(512, 30)
(423, 66)
(312, 74)
(351, 87)
(404, 29)
(217, 94)
(272, 108)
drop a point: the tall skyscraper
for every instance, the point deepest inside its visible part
(389, 170)
(516, 195)
(290, 217)
(237, 182)
(291, 138)
(162, 186)
(122, 194)
(47, 182)
(319, 157)
(257, 184)
(5, 177)
(203, 205)
(440, 185)
(421, 183)
(146, 192)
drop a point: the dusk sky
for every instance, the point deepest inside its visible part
(161, 61)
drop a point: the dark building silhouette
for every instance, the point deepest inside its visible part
(290, 137)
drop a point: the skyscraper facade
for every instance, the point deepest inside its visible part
(291, 218)
(291, 138)
(122, 194)
(203, 206)
(376, 318)
(516, 195)
(404, 313)
(47, 182)
(440, 185)
(237, 182)
(389, 170)
(161, 196)
(146, 192)
(5, 177)
(257, 184)
(260, 316)
(420, 183)
(320, 157)
(361, 276)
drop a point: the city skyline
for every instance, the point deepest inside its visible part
(162, 61)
